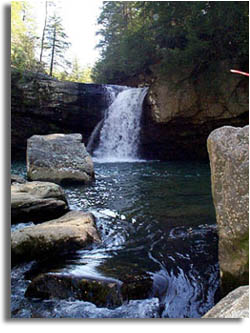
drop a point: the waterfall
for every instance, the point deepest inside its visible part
(120, 129)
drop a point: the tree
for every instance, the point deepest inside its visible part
(77, 74)
(141, 36)
(23, 37)
(56, 43)
(44, 30)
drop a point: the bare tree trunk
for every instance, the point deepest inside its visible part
(44, 29)
(53, 52)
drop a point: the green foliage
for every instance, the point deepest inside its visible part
(25, 42)
(23, 37)
(169, 35)
(77, 74)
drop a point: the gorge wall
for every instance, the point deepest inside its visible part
(43, 105)
(179, 112)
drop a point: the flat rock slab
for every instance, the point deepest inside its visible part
(59, 158)
(72, 231)
(234, 305)
(37, 202)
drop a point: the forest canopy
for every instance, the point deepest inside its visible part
(138, 36)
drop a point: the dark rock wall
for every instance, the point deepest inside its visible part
(43, 105)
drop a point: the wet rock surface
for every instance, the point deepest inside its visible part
(36, 201)
(228, 149)
(100, 291)
(59, 158)
(72, 231)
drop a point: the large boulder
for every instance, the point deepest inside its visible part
(59, 158)
(228, 149)
(234, 305)
(72, 231)
(36, 201)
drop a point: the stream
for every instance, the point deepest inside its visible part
(156, 219)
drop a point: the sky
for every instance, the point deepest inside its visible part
(80, 23)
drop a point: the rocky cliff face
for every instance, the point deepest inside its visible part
(43, 105)
(180, 112)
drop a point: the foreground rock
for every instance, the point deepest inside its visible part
(234, 305)
(36, 201)
(103, 292)
(59, 158)
(228, 149)
(72, 231)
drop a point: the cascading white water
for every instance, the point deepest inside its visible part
(119, 136)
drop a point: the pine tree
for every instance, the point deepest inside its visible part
(56, 43)
(79, 73)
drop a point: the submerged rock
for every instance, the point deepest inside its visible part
(106, 292)
(72, 231)
(100, 292)
(37, 201)
(234, 305)
(59, 158)
(137, 287)
(228, 149)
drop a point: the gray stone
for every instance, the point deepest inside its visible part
(234, 305)
(228, 149)
(17, 179)
(37, 201)
(74, 230)
(59, 158)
